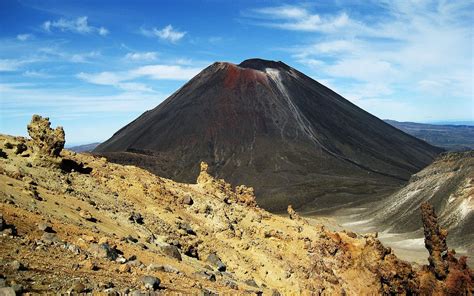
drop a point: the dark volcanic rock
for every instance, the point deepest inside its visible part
(269, 126)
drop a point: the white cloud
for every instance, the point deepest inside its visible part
(84, 57)
(363, 69)
(168, 72)
(24, 37)
(142, 56)
(36, 74)
(167, 33)
(103, 78)
(114, 79)
(54, 53)
(79, 25)
(10, 65)
(297, 18)
(103, 31)
(7, 65)
(124, 80)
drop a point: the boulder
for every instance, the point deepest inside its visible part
(150, 282)
(45, 227)
(171, 251)
(16, 265)
(50, 238)
(90, 265)
(231, 284)
(165, 268)
(206, 275)
(77, 287)
(251, 282)
(187, 200)
(87, 216)
(214, 260)
(7, 291)
(103, 251)
(136, 218)
(124, 268)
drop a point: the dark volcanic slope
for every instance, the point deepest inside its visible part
(451, 137)
(265, 124)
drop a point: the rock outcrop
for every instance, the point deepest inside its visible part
(435, 241)
(46, 140)
(445, 275)
(241, 194)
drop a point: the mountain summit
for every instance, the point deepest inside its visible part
(265, 124)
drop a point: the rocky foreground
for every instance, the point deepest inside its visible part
(76, 223)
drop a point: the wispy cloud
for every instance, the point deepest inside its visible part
(166, 72)
(167, 33)
(84, 57)
(24, 37)
(103, 78)
(124, 79)
(79, 25)
(7, 65)
(142, 56)
(10, 65)
(297, 18)
(36, 74)
(116, 80)
(55, 52)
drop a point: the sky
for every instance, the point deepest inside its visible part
(94, 66)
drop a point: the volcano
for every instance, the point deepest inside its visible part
(265, 124)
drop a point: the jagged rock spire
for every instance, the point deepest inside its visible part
(45, 139)
(435, 241)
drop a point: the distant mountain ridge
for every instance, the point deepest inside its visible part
(266, 124)
(448, 136)
(85, 147)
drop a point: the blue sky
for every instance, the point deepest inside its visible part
(93, 66)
